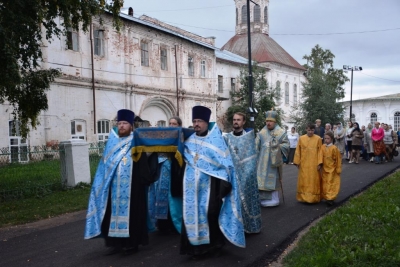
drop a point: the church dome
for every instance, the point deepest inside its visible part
(263, 49)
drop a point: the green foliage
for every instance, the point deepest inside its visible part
(364, 232)
(321, 92)
(24, 24)
(264, 97)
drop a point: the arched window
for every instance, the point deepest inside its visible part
(396, 124)
(237, 16)
(257, 13)
(278, 89)
(353, 118)
(244, 14)
(295, 94)
(287, 93)
(374, 118)
(265, 15)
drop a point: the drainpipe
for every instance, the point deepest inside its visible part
(93, 87)
(177, 86)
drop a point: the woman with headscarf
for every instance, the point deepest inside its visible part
(339, 134)
(368, 144)
(356, 143)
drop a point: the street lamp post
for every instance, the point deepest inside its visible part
(251, 109)
(355, 68)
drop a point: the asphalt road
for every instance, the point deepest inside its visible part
(59, 241)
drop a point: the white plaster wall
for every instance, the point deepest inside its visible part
(120, 82)
(362, 109)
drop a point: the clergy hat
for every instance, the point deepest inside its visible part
(125, 115)
(200, 112)
(271, 115)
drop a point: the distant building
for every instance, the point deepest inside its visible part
(283, 71)
(369, 110)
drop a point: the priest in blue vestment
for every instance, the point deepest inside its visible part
(211, 204)
(241, 143)
(117, 209)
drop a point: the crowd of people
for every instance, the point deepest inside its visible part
(210, 186)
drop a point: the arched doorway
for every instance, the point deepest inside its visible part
(157, 111)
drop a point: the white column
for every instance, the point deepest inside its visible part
(75, 162)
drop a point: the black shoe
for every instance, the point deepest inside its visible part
(330, 202)
(131, 250)
(112, 251)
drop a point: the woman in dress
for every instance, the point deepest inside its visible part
(339, 135)
(356, 143)
(293, 139)
(368, 144)
(348, 139)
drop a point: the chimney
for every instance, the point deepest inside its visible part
(130, 12)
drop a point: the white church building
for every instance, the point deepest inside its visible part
(369, 110)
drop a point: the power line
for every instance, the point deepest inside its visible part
(184, 9)
(380, 78)
(333, 33)
(338, 33)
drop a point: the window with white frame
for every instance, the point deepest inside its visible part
(265, 14)
(18, 146)
(203, 68)
(257, 13)
(98, 36)
(164, 58)
(220, 84)
(295, 94)
(144, 57)
(190, 66)
(244, 14)
(353, 117)
(78, 129)
(396, 124)
(287, 93)
(374, 118)
(161, 123)
(233, 84)
(103, 130)
(72, 40)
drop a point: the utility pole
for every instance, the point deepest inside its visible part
(252, 111)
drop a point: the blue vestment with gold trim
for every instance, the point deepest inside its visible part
(113, 173)
(244, 156)
(209, 158)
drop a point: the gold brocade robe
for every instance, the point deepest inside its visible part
(308, 156)
(331, 169)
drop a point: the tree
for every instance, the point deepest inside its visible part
(321, 92)
(23, 25)
(264, 98)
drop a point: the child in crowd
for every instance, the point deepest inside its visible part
(331, 169)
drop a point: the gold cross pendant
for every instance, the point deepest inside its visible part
(124, 159)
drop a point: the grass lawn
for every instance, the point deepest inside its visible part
(32, 209)
(363, 232)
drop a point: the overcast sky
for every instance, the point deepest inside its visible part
(358, 32)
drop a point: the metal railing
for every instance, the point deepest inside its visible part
(36, 171)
